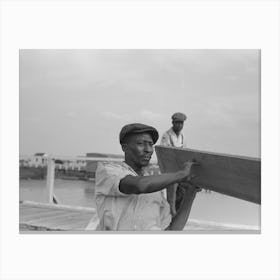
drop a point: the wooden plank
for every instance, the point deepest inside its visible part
(235, 176)
(52, 213)
(29, 204)
(30, 210)
(39, 212)
(76, 224)
(50, 216)
(55, 220)
(54, 217)
(63, 222)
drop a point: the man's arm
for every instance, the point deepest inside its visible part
(148, 184)
(179, 221)
(171, 197)
(165, 140)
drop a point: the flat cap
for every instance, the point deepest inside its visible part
(136, 128)
(179, 117)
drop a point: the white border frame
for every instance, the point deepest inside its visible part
(156, 24)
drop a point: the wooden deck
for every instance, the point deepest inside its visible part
(34, 216)
(42, 216)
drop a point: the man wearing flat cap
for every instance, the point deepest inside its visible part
(175, 138)
(127, 198)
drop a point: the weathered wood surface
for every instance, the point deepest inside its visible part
(235, 176)
(41, 216)
(35, 216)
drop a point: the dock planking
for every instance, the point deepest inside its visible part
(35, 216)
(54, 217)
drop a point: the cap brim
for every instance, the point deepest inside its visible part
(152, 132)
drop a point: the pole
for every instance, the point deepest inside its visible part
(50, 178)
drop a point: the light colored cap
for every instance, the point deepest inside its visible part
(179, 117)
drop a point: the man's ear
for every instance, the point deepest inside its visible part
(124, 147)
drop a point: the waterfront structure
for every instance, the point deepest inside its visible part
(91, 165)
(39, 160)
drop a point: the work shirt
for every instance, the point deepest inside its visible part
(120, 211)
(170, 139)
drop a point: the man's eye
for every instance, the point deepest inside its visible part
(149, 144)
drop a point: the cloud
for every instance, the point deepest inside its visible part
(232, 77)
(111, 115)
(71, 115)
(143, 115)
(33, 120)
(150, 115)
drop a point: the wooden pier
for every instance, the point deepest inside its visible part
(43, 216)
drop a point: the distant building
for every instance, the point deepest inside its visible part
(75, 164)
(24, 162)
(39, 159)
(81, 164)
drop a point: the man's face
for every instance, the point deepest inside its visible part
(177, 126)
(139, 149)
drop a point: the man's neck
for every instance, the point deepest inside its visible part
(137, 169)
(177, 133)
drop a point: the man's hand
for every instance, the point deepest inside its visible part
(187, 170)
(190, 187)
(179, 220)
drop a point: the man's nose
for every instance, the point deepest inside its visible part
(149, 148)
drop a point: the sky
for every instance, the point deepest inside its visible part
(76, 101)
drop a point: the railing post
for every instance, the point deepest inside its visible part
(50, 178)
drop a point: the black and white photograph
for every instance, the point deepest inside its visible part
(140, 140)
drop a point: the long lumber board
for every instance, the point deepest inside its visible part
(235, 176)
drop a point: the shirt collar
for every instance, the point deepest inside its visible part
(126, 166)
(171, 131)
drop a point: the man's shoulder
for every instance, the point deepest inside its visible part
(112, 168)
(103, 166)
(167, 133)
(170, 130)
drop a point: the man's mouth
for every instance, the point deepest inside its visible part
(146, 158)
